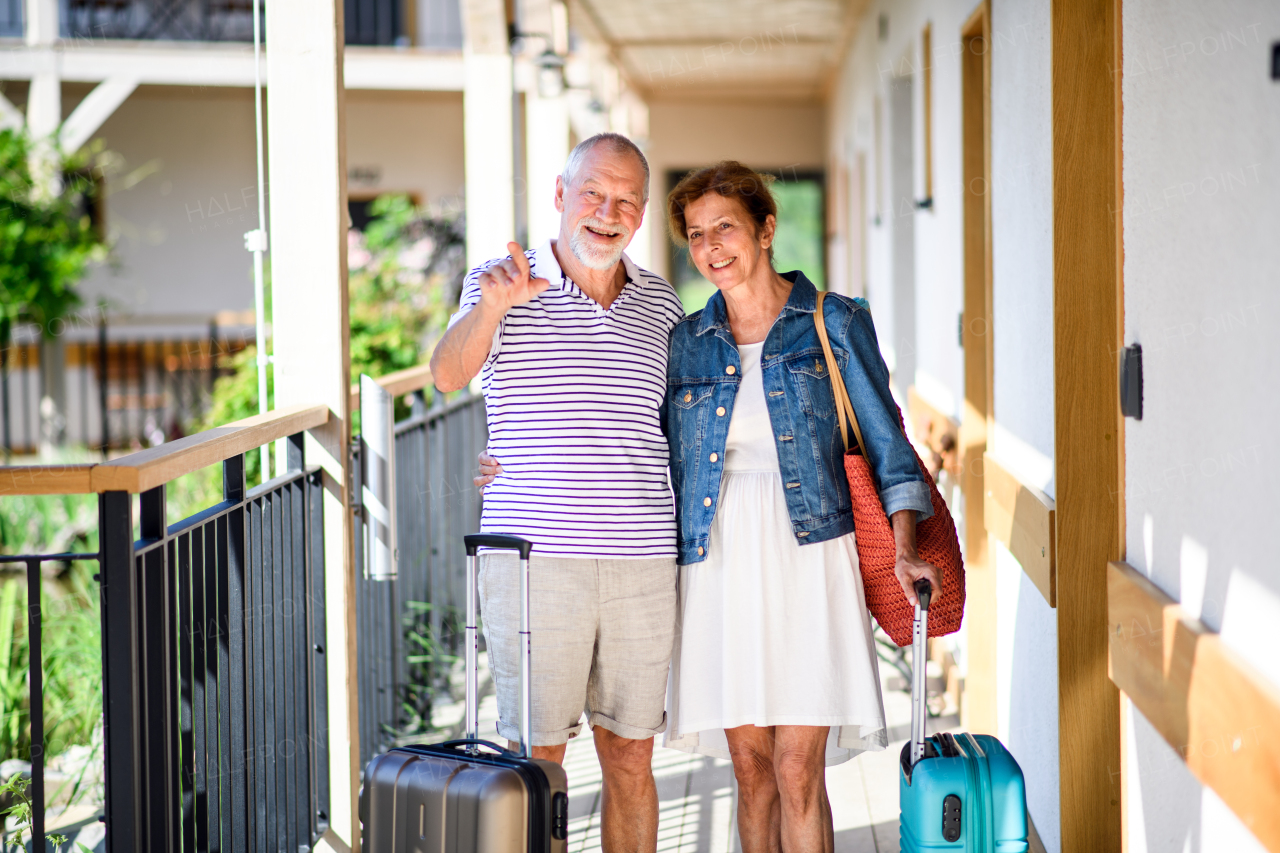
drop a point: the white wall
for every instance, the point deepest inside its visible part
(689, 134)
(412, 140)
(186, 195)
(926, 345)
(1022, 237)
(179, 209)
(1023, 287)
(1201, 175)
(1022, 438)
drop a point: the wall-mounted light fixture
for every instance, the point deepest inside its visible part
(550, 65)
(550, 74)
(1131, 381)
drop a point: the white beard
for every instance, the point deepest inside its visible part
(598, 257)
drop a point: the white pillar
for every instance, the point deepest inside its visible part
(310, 325)
(546, 148)
(44, 103)
(490, 172)
(487, 131)
(42, 22)
(44, 99)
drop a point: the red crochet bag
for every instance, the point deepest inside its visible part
(936, 539)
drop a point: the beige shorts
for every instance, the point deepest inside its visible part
(602, 633)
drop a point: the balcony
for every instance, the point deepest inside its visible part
(377, 23)
(206, 655)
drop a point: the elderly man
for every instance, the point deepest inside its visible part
(570, 341)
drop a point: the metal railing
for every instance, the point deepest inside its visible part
(11, 19)
(213, 659)
(371, 22)
(407, 627)
(213, 628)
(34, 564)
(214, 672)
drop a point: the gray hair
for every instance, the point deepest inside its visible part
(617, 144)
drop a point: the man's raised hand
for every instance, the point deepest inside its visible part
(509, 283)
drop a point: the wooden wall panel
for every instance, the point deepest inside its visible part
(1022, 519)
(1086, 398)
(1212, 707)
(980, 705)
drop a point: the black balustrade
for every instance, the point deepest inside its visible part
(372, 22)
(404, 626)
(216, 702)
(213, 644)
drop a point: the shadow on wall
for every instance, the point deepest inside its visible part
(1033, 702)
(1170, 795)
(903, 230)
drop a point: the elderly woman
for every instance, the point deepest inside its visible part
(775, 666)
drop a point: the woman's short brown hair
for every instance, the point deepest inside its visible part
(730, 179)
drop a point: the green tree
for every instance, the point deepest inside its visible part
(405, 277)
(405, 274)
(46, 238)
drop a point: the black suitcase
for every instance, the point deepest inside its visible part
(469, 795)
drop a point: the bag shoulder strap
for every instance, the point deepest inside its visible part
(844, 406)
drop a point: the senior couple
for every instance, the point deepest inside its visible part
(731, 618)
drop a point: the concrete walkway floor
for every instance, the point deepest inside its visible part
(697, 797)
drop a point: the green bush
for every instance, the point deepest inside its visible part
(406, 274)
(71, 654)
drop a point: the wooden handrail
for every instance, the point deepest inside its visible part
(397, 384)
(155, 466)
(149, 468)
(45, 479)
(1024, 520)
(1212, 706)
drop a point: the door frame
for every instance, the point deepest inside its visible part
(1088, 323)
(977, 341)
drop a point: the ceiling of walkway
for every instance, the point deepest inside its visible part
(782, 49)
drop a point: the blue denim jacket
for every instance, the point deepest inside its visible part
(802, 410)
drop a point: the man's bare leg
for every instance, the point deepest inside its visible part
(629, 803)
(548, 753)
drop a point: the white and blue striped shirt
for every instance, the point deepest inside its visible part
(572, 397)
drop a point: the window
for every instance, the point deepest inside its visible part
(799, 244)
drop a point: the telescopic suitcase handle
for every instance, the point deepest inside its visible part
(497, 542)
(919, 680)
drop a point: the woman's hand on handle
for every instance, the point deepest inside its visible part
(909, 567)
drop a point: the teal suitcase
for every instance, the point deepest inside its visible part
(957, 792)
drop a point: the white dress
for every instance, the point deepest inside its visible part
(771, 633)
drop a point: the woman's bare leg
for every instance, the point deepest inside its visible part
(759, 809)
(799, 761)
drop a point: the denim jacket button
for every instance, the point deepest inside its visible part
(715, 456)
(720, 412)
(731, 370)
(706, 501)
(688, 397)
(700, 551)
